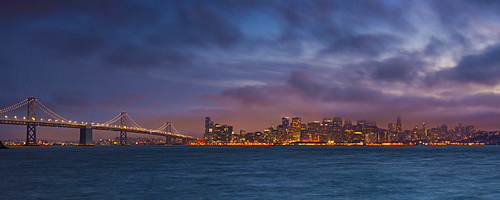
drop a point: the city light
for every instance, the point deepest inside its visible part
(338, 131)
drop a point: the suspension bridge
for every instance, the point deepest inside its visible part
(122, 123)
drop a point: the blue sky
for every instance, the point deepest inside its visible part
(246, 62)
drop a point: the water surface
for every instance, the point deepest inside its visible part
(250, 172)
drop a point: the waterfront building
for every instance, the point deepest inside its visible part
(218, 133)
(209, 129)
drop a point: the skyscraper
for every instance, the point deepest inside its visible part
(209, 129)
(285, 121)
(425, 132)
(399, 125)
(296, 129)
(217, 133)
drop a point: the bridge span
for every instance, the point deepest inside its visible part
(126, 125)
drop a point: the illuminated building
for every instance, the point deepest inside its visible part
(371, 132)
(242, 136)
(337, 123)
(360, 126)
(348, 132)
(327, 130)
(399, 125)
(218, 133)
(331, 131)
(296, 130)
(269, 135)
(469, 130)
(391, 133)
(314, 132)
(415, 134)
(338, 131)
(285, 121)
(425, 132)
(209, 130)
(283, 130)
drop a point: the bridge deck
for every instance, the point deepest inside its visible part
(93, 126)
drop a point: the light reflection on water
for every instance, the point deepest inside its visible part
(250, 172)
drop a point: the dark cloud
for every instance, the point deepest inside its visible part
(434, 47)
(138, 58)
(70, 99)
(30, 7)
(394, 69)
(305, 83)
(250, 95)
(458, 13)
(485, 100)
(123, 100)
(70, 43)
(113, 13)
(206, 25)
(368, 44)
(483, 68)
(262, 58)
(353, 95)
(310, 90)
(361, 13)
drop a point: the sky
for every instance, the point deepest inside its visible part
(247, 63)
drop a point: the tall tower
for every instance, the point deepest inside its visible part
(296, 129)
(399, 125)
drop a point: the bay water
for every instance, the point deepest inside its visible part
(250, 172)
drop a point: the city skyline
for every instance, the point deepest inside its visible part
(339, 131)
(247, 63)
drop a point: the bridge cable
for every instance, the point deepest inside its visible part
(135, 124)
(116, 118)
(15, 106)
(161, 127)
(50, 112)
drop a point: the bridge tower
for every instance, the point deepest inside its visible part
(168, 129)
(123, 132)
(31, 128)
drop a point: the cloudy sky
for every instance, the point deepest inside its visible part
(248, 63)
